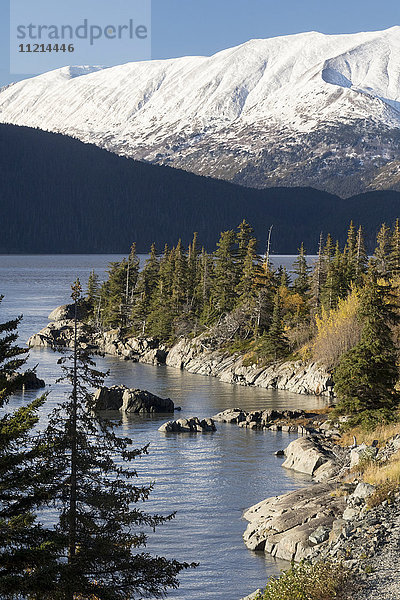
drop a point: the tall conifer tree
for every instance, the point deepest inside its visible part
(394, 257)
(225, 273)
(367, 374)
(301, 271)
(26, 548)
(381, 259)
(100, 527)
(361, 257)
(145, 289)
(275, 343)
(245, 289)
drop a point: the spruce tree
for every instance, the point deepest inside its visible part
(329, 250)
(394, 257)
(244, 236)
(113, 295)
(361, 257)
(350, 254)
(245, 288)
(179, 283)
(12, 358)
(99, 526)
(336, 284)
(163, 307)
(144, 292)
(265, 287)
(205, 309)
(225, 273)
(301, 271)
(26, 548)
(93, 288)
(366, 376)
(93, 297)
(318, 276)
(282, 277)
(381, 259)
(275, 344)
(193, 273)
(132, 274)
(351, 244)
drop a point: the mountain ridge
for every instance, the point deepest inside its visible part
(308, 109)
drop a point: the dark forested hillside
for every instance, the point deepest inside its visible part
(60, 195)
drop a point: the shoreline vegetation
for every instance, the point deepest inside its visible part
(330, 329)
(231, 315)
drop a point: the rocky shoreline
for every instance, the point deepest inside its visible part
(331, 518)
(337, 517)
(197, 356)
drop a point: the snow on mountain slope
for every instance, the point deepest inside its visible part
(292, 110)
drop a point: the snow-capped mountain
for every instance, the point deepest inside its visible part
(305, 109)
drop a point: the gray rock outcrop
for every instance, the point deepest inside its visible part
(66, 312)
(254, 595)
(197, 356)
(127, 400)
(310, 456)
(260, 419)
(194, 356)
(60, 333)
(191, 425)
(362, 453)
(290, 526)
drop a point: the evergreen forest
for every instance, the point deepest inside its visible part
(341, 308)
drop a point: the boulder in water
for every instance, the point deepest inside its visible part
(191, 425)
(119, 397)
(29, 380)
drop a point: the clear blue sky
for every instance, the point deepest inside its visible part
(183, 27)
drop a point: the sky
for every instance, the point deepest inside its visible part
(203, 27)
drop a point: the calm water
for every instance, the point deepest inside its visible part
(207, 479)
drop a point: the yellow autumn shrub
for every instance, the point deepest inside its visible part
(338, 330)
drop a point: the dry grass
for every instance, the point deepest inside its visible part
(384, 491)
(383, 433)
(340, 492)
(321, 411)
(377, 473)
(385, 476)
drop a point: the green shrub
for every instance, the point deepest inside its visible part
(369, 420)
(307, 581)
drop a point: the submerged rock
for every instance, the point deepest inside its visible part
(191, 425)
(119, 397)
